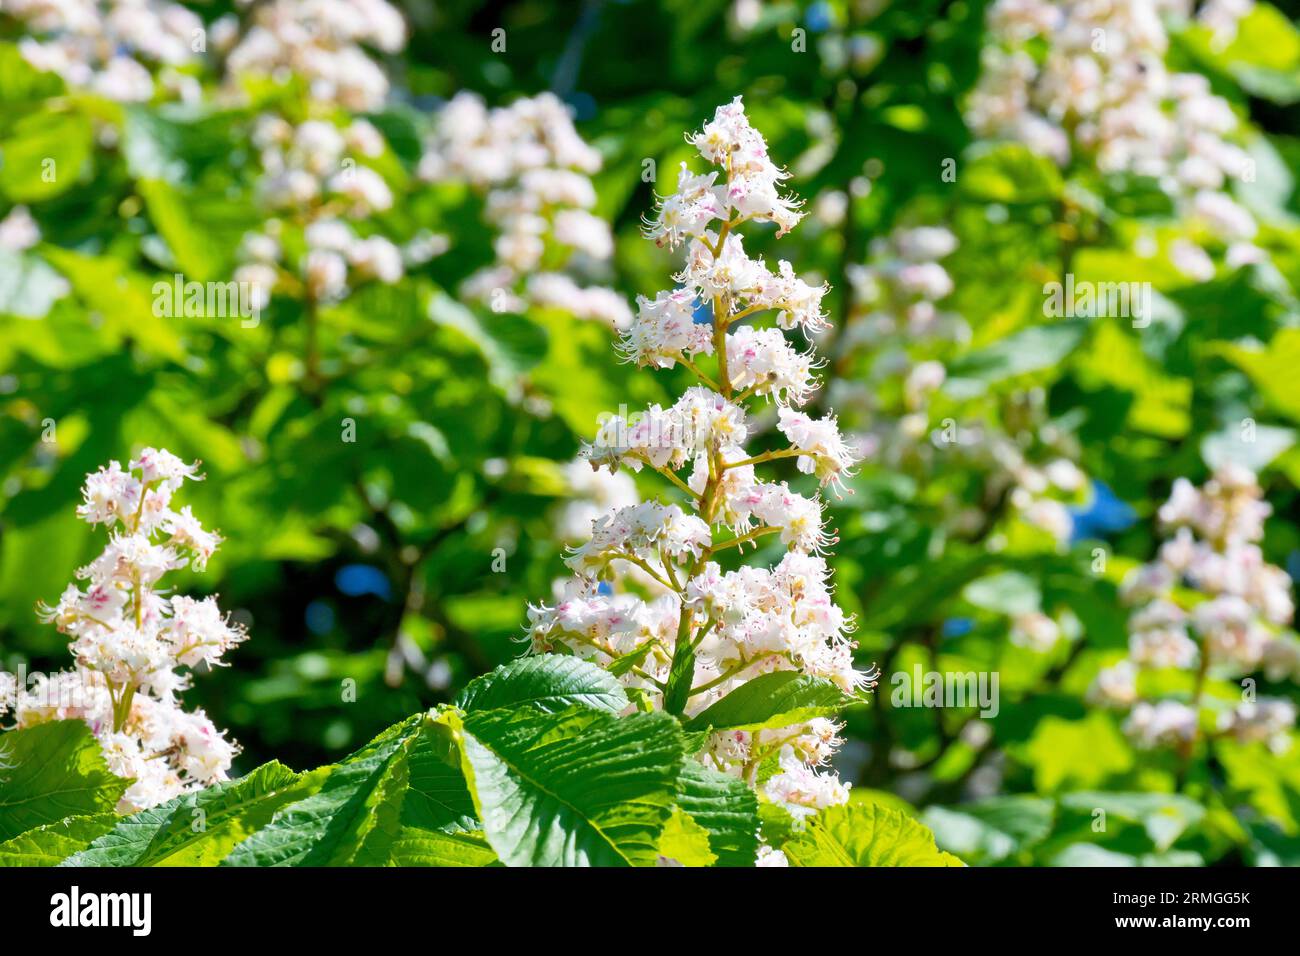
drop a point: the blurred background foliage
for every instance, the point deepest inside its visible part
(405, 560)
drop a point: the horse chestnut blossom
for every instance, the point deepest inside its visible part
(900, 333)
(314, 175)
(1208, 603)
(1089, 78)
(699, 632)
(112, 46)
(133, 642)
(322, 41)
(534, 172)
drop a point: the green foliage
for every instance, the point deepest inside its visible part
(464, 418)
(51, 772)
(512, 776)
(778, 699)
(547, 682)
(865, 835)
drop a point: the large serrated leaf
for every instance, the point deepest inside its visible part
(778, 699)
(549, 682)
(352, 820)
(865, 835)
(52, 771)
(581, 788)
(437, 797)
(200, 828)
(54, 842)
(685, 842)
(725, 807)
(416, 846)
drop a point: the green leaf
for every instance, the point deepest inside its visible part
(200, 828)
(581, 788)
(1067, 753)
(52, 843)
(725, 807)
(1009, 173)
(865, 835)
(991, 830)
(1255, 450)
(684, 841)
(509, 344)
(1009, 592)
(1272, 369)
(44, 155)
(20, 82)
(549, 682)
(1031, 349)
(52, 771)
(353, 819)
(776, 823)
(778, 699)
(437, 797)
(1164, 816)
(416, 846)
(1086, 854)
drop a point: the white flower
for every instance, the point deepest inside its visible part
(1115, 686)
(109, 495)
(746, 622)
(326, 274)
(129, 641)
(767, 856)
(18, 230)
(1268, 720)
(534, 171)
(1164, 724)
(762, 361)
(1035, 631)
(822, 450)
(802, 789)
(665, 329)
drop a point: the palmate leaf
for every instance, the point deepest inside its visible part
(50, 844)
(353, 819)
(778, 699)
(549, 682)
(52, 771)
(199, 829)
(725, 807)
(580, 788)
(865, 835)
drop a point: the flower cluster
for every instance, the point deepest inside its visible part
(313, 174)
(731, 625)
(132, 642)
(897, 341)
(1101, 88)
(1208, 603)
(534, 171)
(898, 319)
(322, 41)
(110, 46)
